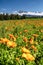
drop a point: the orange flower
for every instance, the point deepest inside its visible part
(0, 41)
(42, 31)
(12, 37)
(17, 59)
(8, 42)
(25, 30)
(25, 50)
(25, 39)
(31, 41)
(28, 57)
(34, 48)
(4, 40)
(11, 44)
(35, 35)
(20, 32)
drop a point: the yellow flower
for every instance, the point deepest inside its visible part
(34, 48)
(28, 57)
(25, 39)
(35, 35)
(25, 30)
(25, 50)
(4, 40)
(17, 59)
(12, 37)
(31, 41)
(20, 32)
(11, 44)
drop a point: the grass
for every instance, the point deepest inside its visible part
(28, 34)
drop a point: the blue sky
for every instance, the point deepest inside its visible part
(25, 5)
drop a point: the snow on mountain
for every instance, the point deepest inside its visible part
(28, 13)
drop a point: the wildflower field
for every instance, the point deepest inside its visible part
(21, 42)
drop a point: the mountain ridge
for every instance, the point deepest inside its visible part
(21, 13)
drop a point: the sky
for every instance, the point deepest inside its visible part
(10, 6)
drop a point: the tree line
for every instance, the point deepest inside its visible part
(11, 16)
(14, 17)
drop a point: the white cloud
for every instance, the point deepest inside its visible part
(1, 12)
(32, 13)
(23, 13)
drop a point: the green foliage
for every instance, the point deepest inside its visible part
(17, 17)
(8, 55)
